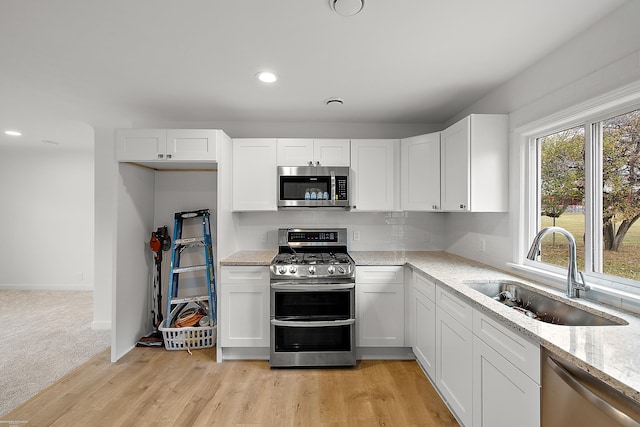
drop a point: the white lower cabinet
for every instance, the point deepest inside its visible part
(506, 376)
(423, 322)
(244, 306)
(488, 374)
(454, 363)
(380, 318)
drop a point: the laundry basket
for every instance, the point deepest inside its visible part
(189, 338)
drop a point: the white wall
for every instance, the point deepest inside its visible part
(131, 291)
(605, 57)
(303, 129)
(46, 220)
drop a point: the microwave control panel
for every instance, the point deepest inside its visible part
(341, 188)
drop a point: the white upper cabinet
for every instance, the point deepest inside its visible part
(420, 173)
(254, 178)
(313, 152)
(191, 144)
(375, 177)
(166, 145)
(474, 164)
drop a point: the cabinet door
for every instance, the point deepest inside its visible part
(424, 325)
(331, 152)
(295, 152)
(380, 315)
(375, 177)
(420, 173)
(454, 365)
(244, 306)
(244, 321)
(254, 174)
(455, 166)
(191, 144)
(502, 394)
(140, 144)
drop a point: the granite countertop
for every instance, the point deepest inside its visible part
(263, 257)
(610, 353)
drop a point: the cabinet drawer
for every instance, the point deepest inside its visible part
(380, 274)
(518, 350)
(425, 286)
(455, 307)
(245, 275)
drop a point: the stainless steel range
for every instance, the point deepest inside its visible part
(312, 299)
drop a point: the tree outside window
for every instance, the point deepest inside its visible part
(562, 193)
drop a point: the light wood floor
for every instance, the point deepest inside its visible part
(150, 387)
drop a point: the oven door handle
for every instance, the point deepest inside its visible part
(312, 324)
(306, 288)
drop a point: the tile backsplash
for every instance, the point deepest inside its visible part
(372, 231)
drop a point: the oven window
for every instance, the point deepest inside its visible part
(305, 187)
(327, 338)
(313, 306)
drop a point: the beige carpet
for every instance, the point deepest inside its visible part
(44, 335)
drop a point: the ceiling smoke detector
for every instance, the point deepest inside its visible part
(334, 101)
(346, 7)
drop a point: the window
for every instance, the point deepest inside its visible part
(587, 181)
(561, 193)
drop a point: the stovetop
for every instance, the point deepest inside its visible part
(313, 265)
(313, 253)
(312, 258)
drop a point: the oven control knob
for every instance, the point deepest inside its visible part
(312, 269)
(341, 270)
(282, 269)
(331, 269)
(293, 269)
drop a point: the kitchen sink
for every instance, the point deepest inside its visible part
(537, 305)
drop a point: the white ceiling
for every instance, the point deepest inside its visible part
(398, 61)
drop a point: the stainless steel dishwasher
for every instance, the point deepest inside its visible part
(572, 397)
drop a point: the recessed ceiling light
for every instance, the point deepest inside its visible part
(267, 77)
(12, 133)
(346, 7)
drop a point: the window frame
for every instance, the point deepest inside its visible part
(588, 114)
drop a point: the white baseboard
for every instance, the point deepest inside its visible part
(46, 287)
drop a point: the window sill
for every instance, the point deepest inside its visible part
(602, 291)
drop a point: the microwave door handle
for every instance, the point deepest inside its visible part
(333, 187)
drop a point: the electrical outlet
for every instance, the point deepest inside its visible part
(356, 235)
(482, 245)
(264, 237)
(79, 276)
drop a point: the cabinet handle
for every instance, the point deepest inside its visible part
(463, 206)
(310, 163)
(318, 163)
(161, 156)
(168, 156)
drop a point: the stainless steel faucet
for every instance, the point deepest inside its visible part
(575, 278)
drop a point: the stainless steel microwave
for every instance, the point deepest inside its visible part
(313, 187)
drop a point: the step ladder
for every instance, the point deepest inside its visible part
(176, 304)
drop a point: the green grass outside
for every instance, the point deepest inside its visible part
(624, 263)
